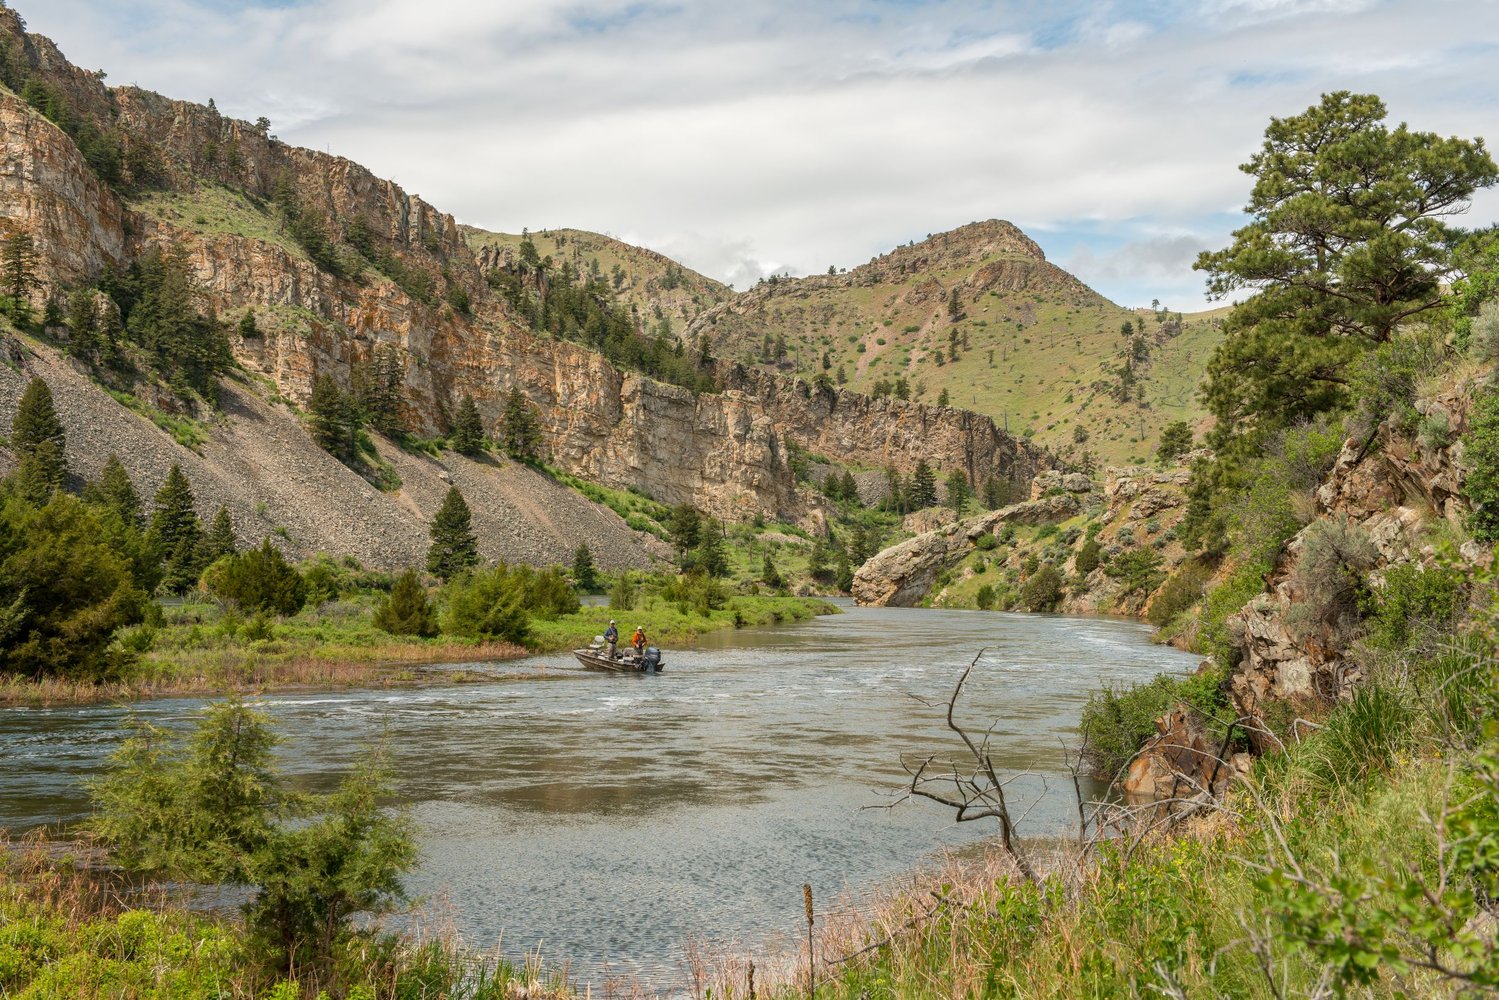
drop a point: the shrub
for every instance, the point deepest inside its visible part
(258, 579)
(695, 592)
(1336, 556)
(1088, 556)
(1182, 590)
(1043, 591)
(984, 599)
(1359, 739)
(1413, 597)
(1117, 722)
(1481, 485)
(986, 542)
(407, 611)
(489, 604)
(623, 594)
(1225, 600)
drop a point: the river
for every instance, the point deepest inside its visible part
(606, 818)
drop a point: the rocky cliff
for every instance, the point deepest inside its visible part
(414, 286)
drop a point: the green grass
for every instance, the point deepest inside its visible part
(217, 211)
(666, 624)
(185, 431)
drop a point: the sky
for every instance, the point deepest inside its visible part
(751, 137)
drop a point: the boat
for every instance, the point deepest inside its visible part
(596, 657)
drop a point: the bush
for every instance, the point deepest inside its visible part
(623, 594)
(1182, 590)
(1225, 600)
(1481, 485)
(489, 604)
(1117, 722)
(695, 592)
(1412, 598)
(1088, 556)
(1138, 571)
(258, 580)
(984, 599)
(407, 611)
(1331, 576)
(986, 542)
(1043, 591)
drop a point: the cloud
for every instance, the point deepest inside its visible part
(773, 134)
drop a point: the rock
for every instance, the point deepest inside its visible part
(1181, 762)
(1051, 480)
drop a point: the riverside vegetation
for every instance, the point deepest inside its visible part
(1357, 854)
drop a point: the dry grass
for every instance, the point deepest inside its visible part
(241, 670)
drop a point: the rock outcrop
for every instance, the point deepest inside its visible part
(1392, 490)
(1181, 762)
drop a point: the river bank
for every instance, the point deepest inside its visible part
(202, 650)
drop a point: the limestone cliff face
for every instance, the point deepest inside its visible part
(1394, 490)
(48, 190)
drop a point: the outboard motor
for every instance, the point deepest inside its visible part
(650, 663)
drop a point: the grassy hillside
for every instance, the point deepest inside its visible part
(655, 286)
(979, 313)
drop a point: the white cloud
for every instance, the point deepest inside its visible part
(770, 134)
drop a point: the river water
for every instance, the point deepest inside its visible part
(607, 818)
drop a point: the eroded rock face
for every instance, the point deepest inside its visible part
(48, 190)
(1181, 762)
(903, 574)
(1390, 491)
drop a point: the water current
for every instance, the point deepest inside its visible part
(607, 818)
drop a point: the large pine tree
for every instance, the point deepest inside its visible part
(922, 492)
(36, 438)
(468, 428)
(114, 491)
(175, 531)
(520, 434)
(330, 417)
(454, 547)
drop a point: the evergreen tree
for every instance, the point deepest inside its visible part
(188, 347)
(958, 491)
(1347, 240)
(850, 489)
(18, 273)
(219, 541)
(454, 548)
(843, 572)
(711, 555)
(175, 529)
(83, 325)
(114, 491)
(997, 492)
(686, 531)
(407, 611)
(817, 561)
(247, 328)
(520, 434)
(943, 399)
(259, 579)
(330, 418)
(922, 492)
(37, 439)
(895, 492)
(769, 575)
(377, 391)
(1176, 440)
(585, 574)
(182, 567)
(467, 437)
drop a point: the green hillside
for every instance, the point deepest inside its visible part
(978, 313)
(657, 287)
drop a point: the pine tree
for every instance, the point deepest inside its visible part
(330, 417)
(219, 541)
(923, 489)
(850, 488)
(711, 555)
(519, 434)
(247, 328)
(467, 437)
(18, 273)
(958, 491)
(817, 562)
(115, 492)
(175, 528)
(377, 391)
(844, 570)
(585, 575)
(454, 547)
(686, 531)
(83, 325)
(36, 438)
(407, 611)
(769, 575)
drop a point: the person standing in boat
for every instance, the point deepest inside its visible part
(611, 636)
(638, 641)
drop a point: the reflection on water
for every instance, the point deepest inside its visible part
(607, 816)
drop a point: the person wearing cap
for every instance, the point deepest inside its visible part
(638, 641)
(611, 636)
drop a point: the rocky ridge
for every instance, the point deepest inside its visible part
(723, 452)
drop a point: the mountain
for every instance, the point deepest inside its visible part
(652, 286)
(980, 313)
(341, 274)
